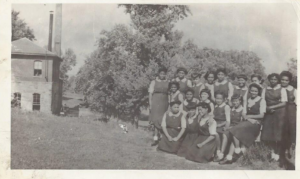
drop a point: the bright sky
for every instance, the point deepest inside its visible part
(269, 30)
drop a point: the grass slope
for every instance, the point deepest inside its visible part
(42, 141)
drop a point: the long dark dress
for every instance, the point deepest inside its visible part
(235, 118)
(197, 89)
(186, 102)
(290, 127)
(273, 123)
(206, 152)
(220, 116)
(173, 125)
(245, 131)
(190, 135)
(239, 91)
(159, 102)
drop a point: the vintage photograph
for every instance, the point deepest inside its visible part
(154, 86)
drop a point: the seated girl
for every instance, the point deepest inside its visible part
(246, 132)
(191, 132)
(189, 97)
(173, 126)
(203, 148)
(205, 96)
(222, 117)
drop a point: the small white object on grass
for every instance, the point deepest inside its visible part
(124, 128)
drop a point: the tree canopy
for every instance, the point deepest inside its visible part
(69, 61)
(20, 28)
(127, 58)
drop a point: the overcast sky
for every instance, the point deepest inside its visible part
(269, 30)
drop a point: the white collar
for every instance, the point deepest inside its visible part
(159, 80)
(222, 105)
(220, 83)
(175, 94)
(289, 88)
(244, 88)
(251, 101)
(275, 88)
(175, 115)
(199, 84)
(206, 101)
(207, 84)
(183, 80)
(194, 100)
(239, 109)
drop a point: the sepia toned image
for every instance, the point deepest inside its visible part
(154, 86)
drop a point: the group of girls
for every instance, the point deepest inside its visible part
(217, 121)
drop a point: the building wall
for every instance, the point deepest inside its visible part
(23, 68)
(28, 88)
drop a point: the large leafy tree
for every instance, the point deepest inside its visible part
(68, 62)
(20, 28)
(118, 72)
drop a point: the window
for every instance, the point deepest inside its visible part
(36, 105)
(16, 102)
(37, 68)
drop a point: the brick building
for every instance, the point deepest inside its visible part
(35, 77)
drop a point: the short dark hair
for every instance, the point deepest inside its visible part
(190, 90)
(173, 83)
(175, 102)
(208, 73)
(205, 106)
(287, 74)
(259, 77)
(206, 91)
(164, 69)
(242, 76)
(220, 93)
(274, 75)
(223, 70)
(182, 69)
(257, 87)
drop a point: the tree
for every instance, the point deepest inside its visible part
(20, 28)
(68, 61)
(119, 71)
(292, 65)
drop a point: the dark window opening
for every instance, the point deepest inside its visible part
(36, 105)
(37, 68)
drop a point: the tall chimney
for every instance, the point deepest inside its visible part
(58, 26)
(50, 32)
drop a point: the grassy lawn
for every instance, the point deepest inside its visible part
(42, 141)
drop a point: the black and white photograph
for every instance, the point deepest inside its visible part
(161, 86)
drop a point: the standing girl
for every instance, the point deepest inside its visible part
(203, 148)
(246, 132)
(222, 117)
(174, 93)
(158, 101)
(276, 98)
(191, 132)
(223, 86)
(290, 128)
(210, 80)
(184, 83)
(197, 86)
(241, 89)
(189, 97)
(205, 97)
(173, 126)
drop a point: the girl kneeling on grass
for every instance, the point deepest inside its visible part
(246, 132)
(192, 128)
(173, 126)
(222, 117)
(203, 148)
